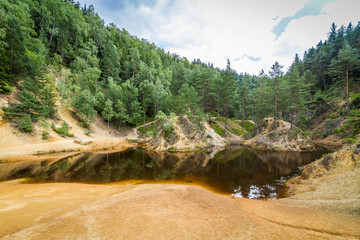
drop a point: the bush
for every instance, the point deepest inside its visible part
(45, 125)
(63, 130)
(160, 115)
(168, 128)
(25, 124)
(333, 116)
(325, 134)
(349, 140)
(341, 129)
(354, 113)
(87, 132)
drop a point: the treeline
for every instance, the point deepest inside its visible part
(101, 69)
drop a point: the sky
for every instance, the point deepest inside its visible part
(252, 34)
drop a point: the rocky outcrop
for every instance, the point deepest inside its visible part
(180, 134)
(286, 138)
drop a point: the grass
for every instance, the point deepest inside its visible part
(218, 129)
(235, 126)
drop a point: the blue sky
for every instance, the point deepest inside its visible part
(253, 34)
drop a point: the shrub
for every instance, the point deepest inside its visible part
(168, 128)
(325, 134)
(63, 130)
(87, 132)
(25, 124)
(341, 129)
(354, 113)
(160, 115)
(333, 116)
(172, 115)
(349, 140)
(45, 125)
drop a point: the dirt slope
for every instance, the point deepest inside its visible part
(15, 145)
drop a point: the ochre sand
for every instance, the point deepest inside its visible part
(160, 211)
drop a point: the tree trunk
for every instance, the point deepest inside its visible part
(347, 90)
(243, 114)
(108, 125)
(144, 116)
(275, 117)
(226, 106)
(259, 101)
(324, 78)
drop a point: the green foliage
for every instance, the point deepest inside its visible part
(161, 116)
(350, 140)
(63, 130)
(325, 134)
(45, 129)
(108, 64)
(25, 124)
(168, 128)
(341, 129)
(87, 132)
(355, 123)
(108, 112)
(333, 115)
(354, 113)
(219, 130)
(247, 125)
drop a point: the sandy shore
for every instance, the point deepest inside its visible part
(39, 151)
(158, 211)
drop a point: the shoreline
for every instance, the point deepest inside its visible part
(48, 150)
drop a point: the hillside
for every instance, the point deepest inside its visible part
(17, 145)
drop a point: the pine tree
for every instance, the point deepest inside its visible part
(227, 90)
(108, 112)
(25, 124)
(347, 59)
(120, 112)
(243, 91)
(110, 62)
(276, 74)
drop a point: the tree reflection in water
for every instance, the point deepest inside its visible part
(237, 170)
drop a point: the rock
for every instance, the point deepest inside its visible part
(287, 137)
(78, 141)
(180, 134)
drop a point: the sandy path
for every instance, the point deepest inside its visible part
(158, 211)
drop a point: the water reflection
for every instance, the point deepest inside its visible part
(237, 170)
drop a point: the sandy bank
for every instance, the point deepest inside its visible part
(46, 150)
(158, 211)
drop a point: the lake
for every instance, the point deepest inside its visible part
(237, 170)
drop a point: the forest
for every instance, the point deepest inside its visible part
(101, 69)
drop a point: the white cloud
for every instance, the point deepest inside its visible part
(216, 30)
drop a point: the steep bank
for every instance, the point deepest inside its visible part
(331, 182)
(16, 145)
(286, 138)
(180, 134)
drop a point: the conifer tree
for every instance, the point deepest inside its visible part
(108, 112)
(276, 73)
(347, 59)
